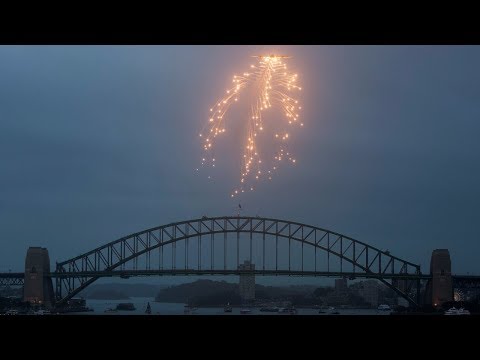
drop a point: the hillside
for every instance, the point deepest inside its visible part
(120, 291)
(217, 293)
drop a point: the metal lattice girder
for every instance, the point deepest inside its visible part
(110, 259)
(11, 279)
(466, 282)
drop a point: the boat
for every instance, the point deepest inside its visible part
(269, 309)
(111, 310)
(148, 310)
(384, 307)
(463, 311)
(455, 311)
(288, 310)
(330, 310)
(227, 308)
(324, 309)
(41, 312)
(74, 305)
(12, 312)
(73, 309)
(245, 311)
(451, 311)
(126, 307)
(187, 309)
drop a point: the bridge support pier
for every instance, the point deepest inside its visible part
(38, 288)
(247, 281)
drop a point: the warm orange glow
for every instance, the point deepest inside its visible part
(270, 79)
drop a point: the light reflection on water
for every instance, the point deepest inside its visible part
(99, 307)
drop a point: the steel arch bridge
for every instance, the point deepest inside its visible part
(213, 246)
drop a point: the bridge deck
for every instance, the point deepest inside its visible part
(12, 275)
(180, 272)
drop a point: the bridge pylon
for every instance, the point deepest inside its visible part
(441, 286)
(38, 288)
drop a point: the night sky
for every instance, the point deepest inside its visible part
(97, 142)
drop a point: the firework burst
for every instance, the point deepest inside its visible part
(268, 84)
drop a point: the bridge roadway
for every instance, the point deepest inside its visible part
(11, 279)
(182, 272)
(191, 272)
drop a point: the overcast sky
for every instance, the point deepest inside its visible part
(97, 142)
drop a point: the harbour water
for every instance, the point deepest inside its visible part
(157, 308)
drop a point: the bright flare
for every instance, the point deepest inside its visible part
(271, 83)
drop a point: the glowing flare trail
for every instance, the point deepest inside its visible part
(269, 83)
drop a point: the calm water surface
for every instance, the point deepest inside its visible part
(99, 307)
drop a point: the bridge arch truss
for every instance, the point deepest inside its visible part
(217, 246)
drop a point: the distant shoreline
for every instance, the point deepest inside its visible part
(312, 307)
(107, 298)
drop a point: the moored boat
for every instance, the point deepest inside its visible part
(269, 309)
(288, 310)
(148, 310)
(41, 312)
(187, 309)
(455, 311)
(126, 307)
